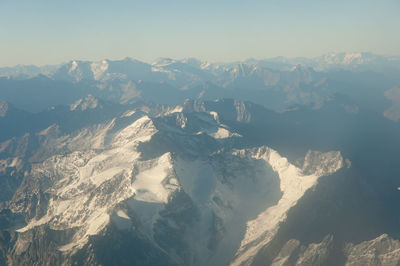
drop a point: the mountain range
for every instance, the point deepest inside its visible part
(183, 162)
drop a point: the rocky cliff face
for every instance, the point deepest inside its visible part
(382, 250)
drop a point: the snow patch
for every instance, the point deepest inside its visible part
(293, 184)
(177, 109)
(223, 133)
(128, 113)
(149, 183)
(89, 184)
(99, 69)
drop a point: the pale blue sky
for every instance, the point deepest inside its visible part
(52, 31)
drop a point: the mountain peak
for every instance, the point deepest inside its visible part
(89, 102)
(163, 61)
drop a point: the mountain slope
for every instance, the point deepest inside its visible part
(123, 180)
(202, 183)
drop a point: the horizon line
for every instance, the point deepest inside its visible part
(196, 58)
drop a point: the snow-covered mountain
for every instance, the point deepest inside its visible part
(356, 61)
(277, 83)
(169, 68)
(183, 162)
(120, 168)
(193, 184)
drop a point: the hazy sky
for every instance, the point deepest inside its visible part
(53, 31)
